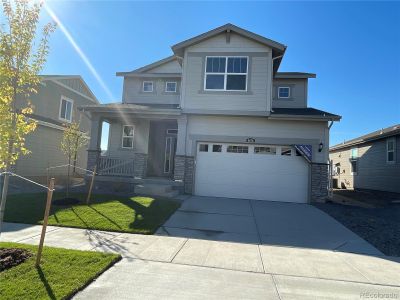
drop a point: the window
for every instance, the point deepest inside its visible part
(237, 149)
(127, 136)
(283, 92)
(353, 164)
(286, 151)
(168, 154)
(66, 109)
(354, 153)
(203, 148)
(226, 73)
(265, 150)
(390, 150)
(148, 86)
(170, 87)
(217, 148)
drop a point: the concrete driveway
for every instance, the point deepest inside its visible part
(262, 222)
(164, 267)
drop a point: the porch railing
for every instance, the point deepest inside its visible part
(112, 166)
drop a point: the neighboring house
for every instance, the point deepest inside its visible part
(55, 105)
(217, 119)
(371, 161)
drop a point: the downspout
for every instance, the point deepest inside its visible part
(272, 77)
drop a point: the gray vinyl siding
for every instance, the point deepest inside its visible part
(44, 144)
(257, 96)
(254, 99)
(140, 139)
(47, 101)
(374, 172)
(133, 91)
(298, 93)
(238, 129)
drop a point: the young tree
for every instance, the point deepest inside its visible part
(73, 140)
(22, 57)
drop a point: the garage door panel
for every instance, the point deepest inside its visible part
(251, 176)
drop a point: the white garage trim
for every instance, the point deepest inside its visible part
(261, 172)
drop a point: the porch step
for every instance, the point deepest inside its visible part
(151, 189)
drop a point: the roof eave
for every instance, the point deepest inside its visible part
(178, 48)
(305, 117)
(364, 141)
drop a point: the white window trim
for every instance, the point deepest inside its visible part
(152, 86)
(351, 172)
(124, 136)
(166, 84)
(72, 108)
(283, 87)
(225, 73)
(392, 139)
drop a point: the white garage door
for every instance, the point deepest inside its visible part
(246, 171)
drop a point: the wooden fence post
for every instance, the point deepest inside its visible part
(91, 185)
(45, 220)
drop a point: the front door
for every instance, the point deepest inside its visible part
(162, 146)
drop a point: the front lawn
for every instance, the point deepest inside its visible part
(61, 274)
(106, 212)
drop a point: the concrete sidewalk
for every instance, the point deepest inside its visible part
(180, 268)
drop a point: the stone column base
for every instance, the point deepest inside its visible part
(93, 158)
(140, 165)
(184, 171)
(319, 182)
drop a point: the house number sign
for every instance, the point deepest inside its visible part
(250, 140)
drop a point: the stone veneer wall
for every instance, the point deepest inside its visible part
(184, 171)
(319, 182)
(92, 159)
(140, 165)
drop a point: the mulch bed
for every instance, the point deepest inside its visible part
(11, 257)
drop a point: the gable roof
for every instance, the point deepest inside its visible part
(376, 135)
(61, 80)
(278, 49)
(149, 67)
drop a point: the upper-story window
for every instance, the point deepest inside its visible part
(66, 109)
(148, 86)
(390, 150)
(226, 73)
(283, 92)
(170, 86)
(127, 136)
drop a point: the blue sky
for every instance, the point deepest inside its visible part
(353, 47)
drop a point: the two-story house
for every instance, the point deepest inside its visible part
(217, 119)
(55, 105)
(370, 161)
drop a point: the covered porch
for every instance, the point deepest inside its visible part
(146, 144)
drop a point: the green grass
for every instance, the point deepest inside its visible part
(61, 274)
(106, 212)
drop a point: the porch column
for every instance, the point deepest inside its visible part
(95, 138)
(184, 164)
(180, 155)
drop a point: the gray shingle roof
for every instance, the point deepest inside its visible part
(376, 135)
(306, 112)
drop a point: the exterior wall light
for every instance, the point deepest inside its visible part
(320, 147)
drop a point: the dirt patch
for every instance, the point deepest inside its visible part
(66, 201)
(11, 257)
